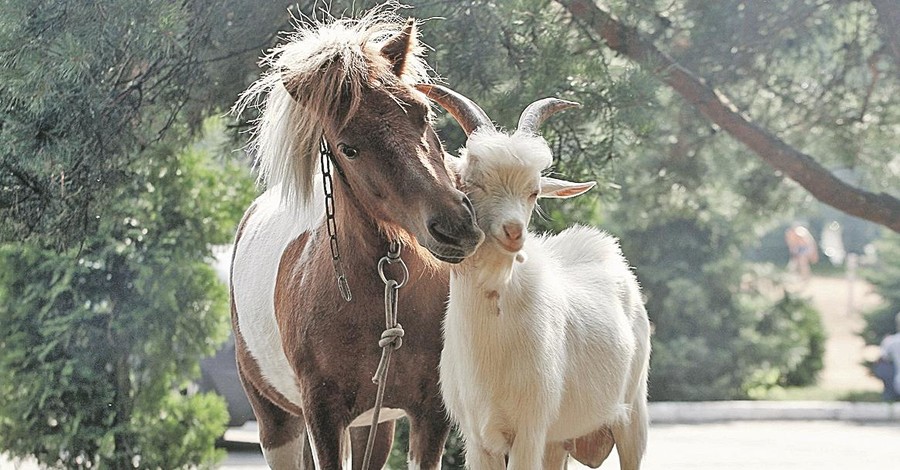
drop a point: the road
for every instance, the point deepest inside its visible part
(739, 445)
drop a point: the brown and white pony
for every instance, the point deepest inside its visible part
(305, 355)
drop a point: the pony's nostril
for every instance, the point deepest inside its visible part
(441, 233)
(468, 205)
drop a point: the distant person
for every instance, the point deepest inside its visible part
(802, 248)
(890, 359)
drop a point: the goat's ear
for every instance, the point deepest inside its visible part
(556, 188)
(400, 47)
(454, 165)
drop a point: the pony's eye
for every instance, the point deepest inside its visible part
(348, 151)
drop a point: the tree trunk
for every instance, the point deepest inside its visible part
(602, 28)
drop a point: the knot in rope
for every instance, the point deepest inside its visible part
(392, 336)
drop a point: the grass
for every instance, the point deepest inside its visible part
(816, 393)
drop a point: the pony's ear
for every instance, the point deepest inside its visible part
(556, 188)
(401, 46)
(291, 84)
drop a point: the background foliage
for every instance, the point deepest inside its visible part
(886, 279)
(99, 339)
(107, 214)
(107, 210)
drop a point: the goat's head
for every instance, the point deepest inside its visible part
(500, 172)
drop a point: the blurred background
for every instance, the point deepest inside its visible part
(746, 153)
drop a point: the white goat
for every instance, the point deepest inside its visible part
(546, 339)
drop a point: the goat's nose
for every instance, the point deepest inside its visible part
(513, 231)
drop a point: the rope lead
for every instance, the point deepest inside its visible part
(391, 338)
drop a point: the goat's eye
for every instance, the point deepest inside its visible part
(348, 151)
(533, 196)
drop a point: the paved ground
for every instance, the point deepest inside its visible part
(738, 445)
(757, 445)
(771, 445)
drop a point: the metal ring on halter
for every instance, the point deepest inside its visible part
(389, 260)
(344, 288)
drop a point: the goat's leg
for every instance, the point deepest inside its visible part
(479, 458)
(527, 451)
(555, 456)
(631, 437)
(384, 438)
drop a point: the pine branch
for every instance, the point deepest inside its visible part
(603, 29)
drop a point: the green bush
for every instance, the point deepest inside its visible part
(799, 329)
(886, 279)
(453, 457)
(714, 339)
(786, 346)
(97, 340)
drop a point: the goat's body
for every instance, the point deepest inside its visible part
(552, 349)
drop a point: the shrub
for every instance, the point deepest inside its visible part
(97, 340)
(713, 339)
(886, 279)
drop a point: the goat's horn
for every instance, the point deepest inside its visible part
(468, 114)
(538, 112)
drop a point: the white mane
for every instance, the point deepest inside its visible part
(320, 60)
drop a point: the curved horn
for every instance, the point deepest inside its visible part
(538, 112)
(468, 114)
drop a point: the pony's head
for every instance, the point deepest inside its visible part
(351, 81)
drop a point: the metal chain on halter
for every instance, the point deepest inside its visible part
(391, 337)
(325, 157)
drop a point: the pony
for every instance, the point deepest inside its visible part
(307, 346)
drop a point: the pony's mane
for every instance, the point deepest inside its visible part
(327, 62)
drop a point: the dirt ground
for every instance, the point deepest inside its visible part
(841, 304)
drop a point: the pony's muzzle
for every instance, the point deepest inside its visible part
(456, 235)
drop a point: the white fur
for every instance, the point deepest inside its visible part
(287, 456)
(546, 347)
(266, 234)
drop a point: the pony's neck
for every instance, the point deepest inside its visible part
(362, 243)
(359, 239)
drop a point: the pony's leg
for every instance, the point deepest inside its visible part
(427, 435)
(555, 456)
(384, 439)
(282, 435)
(329, 438)
(527, 451)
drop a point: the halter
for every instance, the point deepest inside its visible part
(392, 336)
(326, 158)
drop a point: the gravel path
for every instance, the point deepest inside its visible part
(841, 304)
